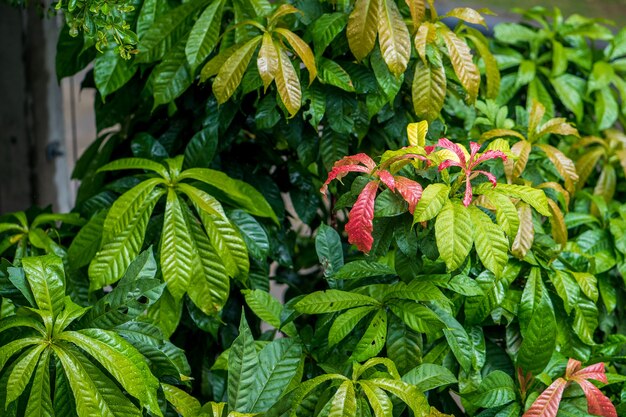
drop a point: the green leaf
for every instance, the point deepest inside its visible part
(453, 229)
(494, 292)
(343, 403)
(242, 369)
(332, 300)
(346, 322)
(121, 360)
(123, 233)
(95, 394)
(166, 31)
(87, 242)
(204, 34)
(22, 372)
(9, 349)
(329, 249)
(333, 74)
(378, 399)
(363, 269)
(409, 394)
(111, 71)
(201, 148)
(567, 88)
(495, 390)
(268, 309)
(389, 83)
(39, 401)
(429, 376)
(588, 284)
(252, 233)
(231, 73)
(64, 404)
(606, 108)
(325, 29)
(243, 194)
(566, 287)
(135, 292)
(278, 365)
(150, 11)
(506, 213)
(433, 199)
(537, 325)
(491, 244)
(172, 76)
(457, 337)
(417, 316)
(403, 345)
(46, 279)
(585, 320)
(165, 313)
(428, 90)
(461, 284)
(533, 196)
(184, 404)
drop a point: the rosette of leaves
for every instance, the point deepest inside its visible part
(273, 62)
(552, 60)
(598, 404)
(36, 236)
(91, 371)
(200, 246)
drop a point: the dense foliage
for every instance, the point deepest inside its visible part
(478, 176)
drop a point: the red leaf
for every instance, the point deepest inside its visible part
(449, 163)
(487, 156)
(595, 371)
(341, 171)
(597, 403)
(573, 366)
(356, 159)
(467, 199)
(410, 190)
(489, 175)
(474, 148)
(445, 143)
(360, 225)
(387, 179)
(547, 404)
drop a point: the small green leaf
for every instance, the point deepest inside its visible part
(429, 376)
(329, 249)
(332, 300)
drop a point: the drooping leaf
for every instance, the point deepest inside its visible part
(453, 229)
(231, 72)
(464, 67)
(332, 300)
(242, 366)
(490, 242)
(343, 403)
(433, 199)
(362, 27)
(204, 34)
(393, 36)
(287, 82)
(547, 404)
(360, 224)
(429, 376)
(428, 90)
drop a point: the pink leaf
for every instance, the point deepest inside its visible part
(449, 163)
(410, 190)
(340, 171)
(356, 159)
(547, 404)
(445, 143)
(489, 175)
(573, 366)
(360, 225)
(429, 149)
(387, 179)
(597, 403)
(595, 371)
(467, 198)
(487, 156)
(474, 148)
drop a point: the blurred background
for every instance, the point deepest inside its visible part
(45, 124)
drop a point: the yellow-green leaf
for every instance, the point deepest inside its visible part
(514, 168)
(461, 58)
(418, 12)
(362, 27)
(287, 83)
(557, 222)
(416, 133)
(526, 232)
(563, 165)
(393, 36)
(467, 14)
(302, 50)
(231, 73)
(491, 65)
(267, 61)
(491, 244)
(605, 186)
(428, 91)
(433, 199)
(344, 401)
(453, 230)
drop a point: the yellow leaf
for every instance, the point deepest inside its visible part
(287, 83)
(513, 169)
(428, 91)
(302, 50)
(557, 126)
(425, 35)
(416, 133)
(467, 14)
(586, 163)
(362, 27)
(418, 11)
(525, 233)
(461, 58)
(535, 116)
(393, 36)
(267, 61)
(563, 165)
(212, 67)
(557, 223)
(500, 133)
(283, 10)
(231, 73)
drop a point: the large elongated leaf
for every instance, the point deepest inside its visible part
(184, 404)
(343, 403)
(537, 325)
(409, 394)
(46, 279)
(332, 300)
(268, 309)
(301, 49)
(373, 339)
(267, 61)
(393, 37)
(278, 365)
(378, 399)
(111, 71)
(121, 360)
(458, 339)
(433, 199)
(87, 242)
(123, 233)
(287, 82)
(453, 229)
(403, 345)
(563, 165)
(242, 365)
(464, 67)
(495, 390)
(329, 249)
(39, 400)
(345, 323)
(429, 376)
(231, 73)
(362, 27)
(490, 242)
(428, 90)
(204, 34)
(325, 30)
(172, 76)
(22, 372)
(360, 224)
